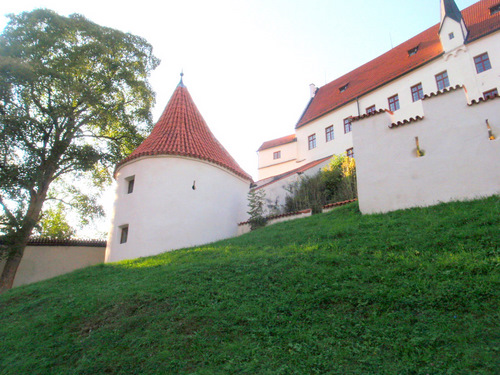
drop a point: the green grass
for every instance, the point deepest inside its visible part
(410, 292)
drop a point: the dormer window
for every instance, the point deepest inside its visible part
(413, 51)
(495, 9)
(343, 88)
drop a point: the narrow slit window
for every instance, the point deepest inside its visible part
(130, 184)
(123, 233)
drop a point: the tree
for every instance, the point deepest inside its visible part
(334, 183)
(53, 223)
(72, 97)
(256, 200)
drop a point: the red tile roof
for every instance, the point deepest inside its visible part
(182, 131)
(278, 142)
(396, 63)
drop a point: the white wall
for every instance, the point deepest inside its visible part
(44, 262)
(460, 162)
(164, 212)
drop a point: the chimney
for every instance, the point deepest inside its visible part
(313, 89)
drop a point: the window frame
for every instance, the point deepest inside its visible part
(350, 152)
(277, 155)
(417, 92)
(130, 184)
(347, 125)
(371, 109)
(442, 78)
(393, 103)
(329, 133)
(482, 62)
(490, 94)
(311, 141)
(123, 233)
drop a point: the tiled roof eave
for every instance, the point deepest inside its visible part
(181, 154)
(363, 93)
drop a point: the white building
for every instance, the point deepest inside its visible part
(463, 49)
(179, 188)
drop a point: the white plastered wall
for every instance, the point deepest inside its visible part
(164, 212)
(44, 262)
(460, 162)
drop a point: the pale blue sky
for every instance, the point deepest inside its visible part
(248, 64)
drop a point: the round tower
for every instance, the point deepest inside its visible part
(179, 188)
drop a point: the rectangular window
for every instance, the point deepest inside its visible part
(451, 36)
(347, 125)
(350, 152)
(417, 92)
(482, 62)
(277, 155)
(130, 184)
(370, 110)
(312, 141)
(329, 133)
(123, 233)
(490, 94)
(393, 103)
(442, 80)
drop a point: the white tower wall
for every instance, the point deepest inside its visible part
(164, 212)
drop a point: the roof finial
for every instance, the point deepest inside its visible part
(181, 84)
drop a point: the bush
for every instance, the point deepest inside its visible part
(334, 183)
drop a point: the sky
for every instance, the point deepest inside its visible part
(248, 64)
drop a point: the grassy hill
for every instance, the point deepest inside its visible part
(410, 292)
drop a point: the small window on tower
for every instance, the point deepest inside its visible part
(451, 36)
(123, 233)
(130, 184)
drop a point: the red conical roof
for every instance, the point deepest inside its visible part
(182, 131)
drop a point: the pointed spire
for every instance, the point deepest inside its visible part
(181, 83)
(182, 131)
(450, 9)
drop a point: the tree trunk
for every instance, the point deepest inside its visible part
(11, 266)
(17, 241)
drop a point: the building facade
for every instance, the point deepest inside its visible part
(462, 49)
